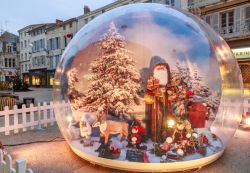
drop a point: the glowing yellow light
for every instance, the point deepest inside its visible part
(69, 118)
(248, 121)
(171, 123)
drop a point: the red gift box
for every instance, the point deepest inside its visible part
(197, 115)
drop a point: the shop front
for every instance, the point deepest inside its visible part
(26, 78)
(50, 79)
(37, 78)
(41, 78)
(243, 57)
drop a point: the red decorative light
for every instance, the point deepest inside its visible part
(69, 35)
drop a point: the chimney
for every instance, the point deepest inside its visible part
(86, 9)
(58, 21)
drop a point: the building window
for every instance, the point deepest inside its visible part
(33, 62)
(14, 62)
(9, 48)
(21, 45)
(227, 22)
(25, 43)
(57, 43)
(173, 2)
(70, 25)
(64, 27)
(6, 62)
(247, 19)
(208, 19)
(86, 21)
(36, 61)
(9, 62)
(26, 67)
(21, 57)
(49, 44)
(57, 60)
(36, 80)
(51, 62)
(43, 60)
(65, 41)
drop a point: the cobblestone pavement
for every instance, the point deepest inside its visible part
(56, 157)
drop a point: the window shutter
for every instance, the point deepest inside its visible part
(208, 19)
(48, 48)
(237, 20)
(215, 21)
(59, 42)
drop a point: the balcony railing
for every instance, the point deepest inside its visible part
(235, 30)
(201, 3)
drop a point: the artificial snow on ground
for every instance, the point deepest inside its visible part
(214, 147)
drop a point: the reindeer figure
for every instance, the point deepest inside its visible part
(108, 127)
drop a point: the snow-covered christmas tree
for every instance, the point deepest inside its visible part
(74, 95)
(192, 81)
(114, 83)
(197, 86)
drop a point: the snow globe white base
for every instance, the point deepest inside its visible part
(188, 163)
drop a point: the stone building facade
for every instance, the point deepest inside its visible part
(48, 41)
(9, 53)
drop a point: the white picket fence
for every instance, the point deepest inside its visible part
(27, 117)
(6, 165)
(41, 115)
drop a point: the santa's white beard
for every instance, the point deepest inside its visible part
(162, 76)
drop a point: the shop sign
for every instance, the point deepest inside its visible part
(241, 53)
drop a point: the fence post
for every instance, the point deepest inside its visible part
(15, 119)
(2, 166)
(32, 121)
(51, 115)
(24, 120)
(20, 166)
(45, 118)
(39, 117)
(8, 165)
(1, 157)
(29, 171)
(7, 120)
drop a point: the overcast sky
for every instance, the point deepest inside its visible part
(20, 13)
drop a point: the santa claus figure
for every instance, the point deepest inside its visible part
(157, 111)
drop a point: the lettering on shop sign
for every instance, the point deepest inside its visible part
(241, 53)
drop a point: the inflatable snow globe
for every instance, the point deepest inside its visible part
(147, 87)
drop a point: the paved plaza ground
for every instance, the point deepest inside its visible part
(57, 157)
(40, 94)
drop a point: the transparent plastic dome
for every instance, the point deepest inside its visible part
(150, 86)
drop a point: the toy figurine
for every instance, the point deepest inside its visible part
(108, 127)
(85, 132)
(136, 136)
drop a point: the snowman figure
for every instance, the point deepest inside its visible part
(85, 132)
